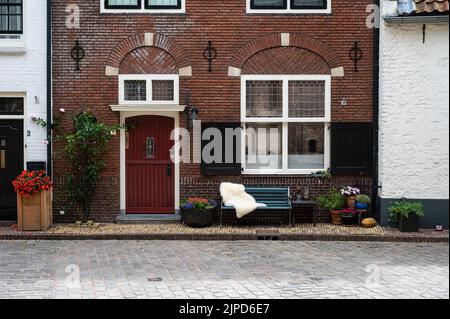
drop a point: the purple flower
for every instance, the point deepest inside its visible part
(188, 206)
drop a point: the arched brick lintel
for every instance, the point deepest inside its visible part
(140, 40)
(274, 40)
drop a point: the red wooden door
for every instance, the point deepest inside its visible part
(150, 173)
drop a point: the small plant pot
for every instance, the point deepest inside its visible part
(409, 224)
(198, 218)
(361, 206)
(348, 220)
(351, 202)
(336, 217)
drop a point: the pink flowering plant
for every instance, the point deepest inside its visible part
(349, 212)
(350, 191)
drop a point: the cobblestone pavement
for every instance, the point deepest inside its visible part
(182, 269)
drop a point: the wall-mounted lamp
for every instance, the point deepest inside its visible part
(36, 100)
(344, 102)
(190, 111)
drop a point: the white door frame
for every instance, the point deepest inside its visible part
(123, 116)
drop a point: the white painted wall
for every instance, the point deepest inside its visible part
(25, 72)
(414, 110)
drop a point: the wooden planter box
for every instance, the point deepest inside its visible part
(34, 213)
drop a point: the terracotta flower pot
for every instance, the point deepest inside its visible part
(351, 202)
(34, 213)
(336, 217)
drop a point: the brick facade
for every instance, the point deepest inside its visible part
(161, 43)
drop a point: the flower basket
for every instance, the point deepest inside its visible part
(34, 201)
(198, 218)
(198, 212)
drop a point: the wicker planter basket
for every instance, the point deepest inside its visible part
(198, 217)
(34, 213)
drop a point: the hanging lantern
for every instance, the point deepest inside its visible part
(406, 7)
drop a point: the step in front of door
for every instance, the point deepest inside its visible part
(148, 219)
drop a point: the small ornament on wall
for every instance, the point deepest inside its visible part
(77, 54)
(355, 55)
(210, 54)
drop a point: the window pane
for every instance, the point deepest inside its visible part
(306, 146)
(135, 90)
(11, 16)
(131, 4)
(264, 98)
(306, 99)
(163, 90)
(11, 106)
(309, 4)
(164, 3)
(269, 4)
(264, 146)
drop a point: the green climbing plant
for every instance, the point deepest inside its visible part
(85, 148)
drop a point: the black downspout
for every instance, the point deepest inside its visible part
(49, 88)
(376, 110)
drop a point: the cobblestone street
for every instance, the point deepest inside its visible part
(182, 269)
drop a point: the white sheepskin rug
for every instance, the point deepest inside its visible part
(235, 195)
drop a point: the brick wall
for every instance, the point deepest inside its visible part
(237, 36)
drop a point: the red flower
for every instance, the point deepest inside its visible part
(31, 182)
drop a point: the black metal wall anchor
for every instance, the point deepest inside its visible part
(355, 55)
(77, 54)
(210, 54)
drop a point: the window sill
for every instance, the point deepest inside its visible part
(315, 12)
(147, 107)
(140, 12)
(304, 173)
(12, 49)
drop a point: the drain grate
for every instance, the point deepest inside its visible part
(155, 279)
(268, 234)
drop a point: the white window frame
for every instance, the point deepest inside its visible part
(143, 10)
(149, 78)
(289, 10)
(285, 120)
(15, 43)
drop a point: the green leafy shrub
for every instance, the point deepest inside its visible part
(333, 201)
(85, 149)
(404, 209)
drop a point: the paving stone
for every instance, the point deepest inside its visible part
(122, 269)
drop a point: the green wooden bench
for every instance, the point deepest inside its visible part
(276, 199)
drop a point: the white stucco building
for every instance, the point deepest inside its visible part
(23, 92)
(414, 107)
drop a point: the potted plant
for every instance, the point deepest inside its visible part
(349, 216)
(198, 212)
(406, 215)
(334, 202)
(363, 202)
(350, 193)
(34, 207)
